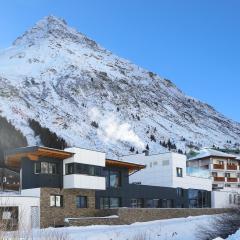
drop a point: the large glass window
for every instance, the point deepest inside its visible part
(81, 202)
(113, 178)
(137, 203)
(80, 168)
(104, 202)
(197, 198)
(45, 168)
(167, 203)
(152, 203)
(110, 202)
(56, 200)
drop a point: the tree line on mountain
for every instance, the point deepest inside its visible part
(47, 137)
(10, 138)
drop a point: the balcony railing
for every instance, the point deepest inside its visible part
(231, 179)
(218, 166)
(231, 167)
(219, 179)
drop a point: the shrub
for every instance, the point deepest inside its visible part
(222, 226)
(94, 124)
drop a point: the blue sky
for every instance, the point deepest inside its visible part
(196, 44)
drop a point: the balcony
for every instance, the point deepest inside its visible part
(232, 179)
(218, 166)
(219, 179)
(231, 167)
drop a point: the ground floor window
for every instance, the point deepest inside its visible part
(153, 203)
(137, 203)
(56, 200)
(180, 192)
(81, 202)
(110, 202)
(167, 203)
(197, 198)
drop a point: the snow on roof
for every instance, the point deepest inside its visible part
(208, 152)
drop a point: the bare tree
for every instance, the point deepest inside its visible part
(221, 226)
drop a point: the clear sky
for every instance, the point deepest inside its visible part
(194, 43)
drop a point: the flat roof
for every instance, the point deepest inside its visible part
(13, 157)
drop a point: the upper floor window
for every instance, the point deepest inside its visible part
(56, 201)
(80, 168)
(113, 178)
(179, 172)
(214, 174)
(45, 168)
(81, 201)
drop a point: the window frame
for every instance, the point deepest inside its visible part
(55, 200)
(39, 165)
(179, 174)
(85, 201)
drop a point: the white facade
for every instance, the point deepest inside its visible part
(161, 170)
(225, 199)
(83, 181)
(28, 208)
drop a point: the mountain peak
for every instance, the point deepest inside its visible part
(52, 27)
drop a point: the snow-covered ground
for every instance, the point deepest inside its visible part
(173, 229)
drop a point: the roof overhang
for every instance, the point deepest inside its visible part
(132, 167)
(13, 157)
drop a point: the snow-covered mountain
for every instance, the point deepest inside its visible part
(95, 99)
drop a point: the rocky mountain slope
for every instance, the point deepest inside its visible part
(95, 99)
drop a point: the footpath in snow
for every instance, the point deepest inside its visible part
(171, 229)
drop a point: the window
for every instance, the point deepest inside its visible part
(198, 198)
(81, 201)
(45, 168)
(152, 203)
(56, 201)
(165, 162)
(114, 202)
(214, 174)
(52, 168)
(179, 172)
(110, 202)
(227, 175)
(104, 202)
(167, 203)
(80, 168)
(180, 192)
(114, 179)
(137, 203)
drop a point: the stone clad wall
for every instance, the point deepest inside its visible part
(131, 215)
(52, 216)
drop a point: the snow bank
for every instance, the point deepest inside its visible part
(174, 229)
